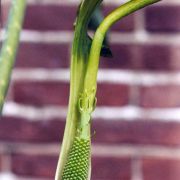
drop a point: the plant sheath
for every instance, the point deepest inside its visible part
(85, 92)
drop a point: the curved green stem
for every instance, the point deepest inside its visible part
(119, 13)
(10, 45)
(84, 67)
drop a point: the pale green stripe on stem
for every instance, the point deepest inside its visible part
(10, 45)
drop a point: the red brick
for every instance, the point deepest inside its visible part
(34, 165)
(44, 166)
(9, 93)
(41, 93)
(152, 57)
(126, 24)
(107, 132)
(61, 17)
(22, 130)
(107, 168)
(1, 162)
(157, 169)
(51, 17)
(35, 93)
(163, 18)
(58, 55)
(4, 13)
(146, 57)
(136, 132)
(160, 57)
(43, 55)
(124, 57)
(112, 94)
(163, 96)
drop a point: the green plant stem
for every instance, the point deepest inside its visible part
(10, 45)
(84, 69)
(90, 81)
(79, 58)
(116, 15)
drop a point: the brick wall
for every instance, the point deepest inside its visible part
(137, 121)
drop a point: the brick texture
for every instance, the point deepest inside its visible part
(111, 168)
(38, 55)
(155, 57)
(107, 132)
(4, 13)
(163, 19)
(160, 96)
(44, 166)
(31, 55)
(136, 132)
(55, 17)
(34, 166)
(124, 57)
(165, 169)
(1, 161)
(150, 45)
(46, 93)
(116, 95)
(52, 17)
(162, 57)
(31, 132)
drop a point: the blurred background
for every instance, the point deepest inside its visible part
(137, 120)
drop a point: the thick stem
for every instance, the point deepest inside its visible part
(10, 45)
(78, 60)
(79, 57)
(84, 76)
(119, 13)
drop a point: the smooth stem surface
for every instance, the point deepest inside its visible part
(93, 63)
(77, 71)
(79, 58)
(10, 45)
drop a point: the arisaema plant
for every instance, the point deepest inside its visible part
(75, 157)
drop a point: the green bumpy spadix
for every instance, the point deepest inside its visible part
(77, 165)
